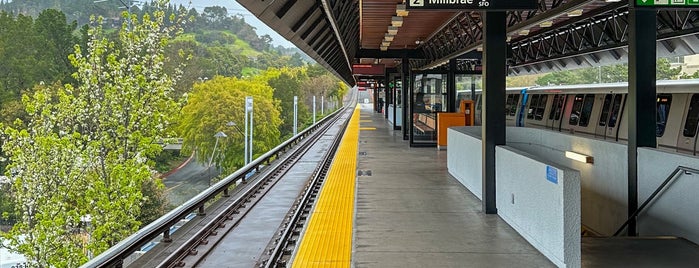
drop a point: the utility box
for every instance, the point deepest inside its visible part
(464, 117)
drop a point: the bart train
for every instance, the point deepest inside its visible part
(600, 110)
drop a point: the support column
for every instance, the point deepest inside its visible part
(642, 94)
(451, 87)
(406, 89)
(494, 74)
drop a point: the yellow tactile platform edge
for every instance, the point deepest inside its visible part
(327, 241)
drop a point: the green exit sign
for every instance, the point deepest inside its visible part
(668, 3)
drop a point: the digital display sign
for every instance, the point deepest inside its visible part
(473, 4)
(668, 3)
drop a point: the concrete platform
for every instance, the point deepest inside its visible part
(639, 252)
(411, 213)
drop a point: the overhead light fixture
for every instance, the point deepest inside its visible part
(383, 48)
(385, 43)
(396, 21)
(612, 1)
(401, 11)
(388, 37)
(418, 42)
(479, 48)
(524, 32)
(580, 157)
(392, 30)
(575, 13)
(509, 38)
(546, 24)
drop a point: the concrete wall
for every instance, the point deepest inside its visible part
(464, 157)
(603, 184)
(674, 211)
(541, 202)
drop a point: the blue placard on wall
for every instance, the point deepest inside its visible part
(552, 174)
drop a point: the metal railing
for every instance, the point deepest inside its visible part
(673, 175)
(114, 256)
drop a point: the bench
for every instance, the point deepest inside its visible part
(425, 123)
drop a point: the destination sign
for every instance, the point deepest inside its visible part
(668, 3)
(473, 4)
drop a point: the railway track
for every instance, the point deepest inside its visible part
(220, 210)
(190, 253)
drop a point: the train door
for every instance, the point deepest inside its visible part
(556, 112)
(607, 123)
(687, 139)
(580, 113)
(537, 108)
(511, 108)
(522, 108)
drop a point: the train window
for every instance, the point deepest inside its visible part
(556, 107)
(575, 112)
(615, 110)
(605, 110)
(507, 104)
(511, 104)
(586, 110)
(690, 126)
(533, 103)
(540, 108)
(662, 111)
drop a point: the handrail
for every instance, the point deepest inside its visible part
(673, 175)
(115, 255)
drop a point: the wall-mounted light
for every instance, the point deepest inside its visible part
(385, 43)
(388, 37)
(580, 157)
(383, 48)
(524, 32)
(396, 21)
(401, 11)
(392, 30)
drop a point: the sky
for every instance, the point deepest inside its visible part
(234, 7)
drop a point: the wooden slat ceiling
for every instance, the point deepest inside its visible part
(418, 25)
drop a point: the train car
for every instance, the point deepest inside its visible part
(600, 111)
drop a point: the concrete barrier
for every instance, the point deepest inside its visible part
(464, 157)
(542, 202)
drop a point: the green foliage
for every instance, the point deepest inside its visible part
(287, 83)
(605, 74)
(664, 70)
(85, 148)
(214, 103)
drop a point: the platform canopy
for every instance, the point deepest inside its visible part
(558, 35)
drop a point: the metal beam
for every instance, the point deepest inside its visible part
(494, 73)
(641, 97)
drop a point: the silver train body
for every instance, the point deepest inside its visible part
(600, 111)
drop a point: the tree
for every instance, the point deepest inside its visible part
(287, 83)
(214, 103)
(664, 70)
(85, 148)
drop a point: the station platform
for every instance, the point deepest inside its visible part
(409, 212)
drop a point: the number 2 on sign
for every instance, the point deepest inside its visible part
(417, 3)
